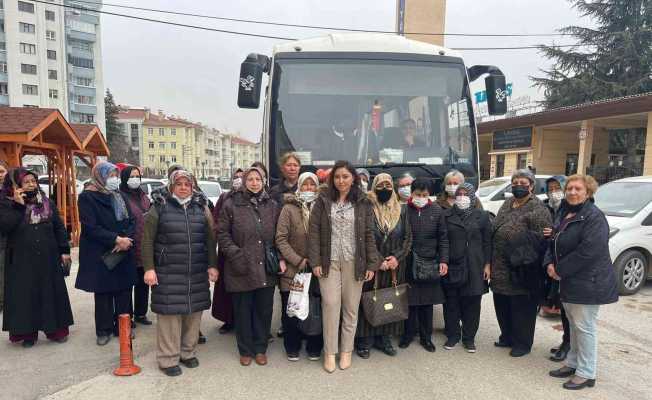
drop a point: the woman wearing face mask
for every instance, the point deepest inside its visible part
(516, 278)
(452, 181)
(292, 242)
(393, 241)
(555, 191)
(247, 223)
(4, 168)
(138, 203)
(404, 184)
(429, 242)
(469, 237)
(37, 245)
(222, 309)
(107, 226)
(579, 259)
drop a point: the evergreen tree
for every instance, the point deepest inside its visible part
(118, 143)
(617, 56)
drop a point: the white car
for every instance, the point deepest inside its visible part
(211, 189)
(44, 185)
(149, 185)
(492, 193)
(627, 204)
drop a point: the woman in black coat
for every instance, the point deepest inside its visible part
(430, 244)
(36, 297)
(469, 238)
(579, 259)
(106, 226)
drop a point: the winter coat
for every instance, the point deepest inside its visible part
(179, 245)
(222, 308)
(243, 242)
(3, 246)
(470, 243)
(278, 191)
(36, 297)
(396, 243)
(291, 238)
(429, 240)
(319, 236)
(509, 224)
(139, 203)
(442, 200)
(580, 253)
(99, 229)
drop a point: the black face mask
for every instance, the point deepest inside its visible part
(31, 194)
(384, 195)
(520, 191)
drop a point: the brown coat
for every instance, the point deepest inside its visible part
(291, 238)
(243, 244)
(319, 243)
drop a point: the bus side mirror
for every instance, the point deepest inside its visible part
(496, 94)
(250, 82)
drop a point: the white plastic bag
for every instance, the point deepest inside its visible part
(298, 302)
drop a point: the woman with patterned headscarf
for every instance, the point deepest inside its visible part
(469, 240)
(107, 226)
(36, 297)
(393, 241)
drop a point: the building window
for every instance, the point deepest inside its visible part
(150, 131)
(49, 15)
(4, 89)
(3, 46)
(3, 67)
(500, 165)
(28, 69)
(173, 131)
(80, 62)
(30, 105)
(30, 89)
(26, 7)
(81, 26)
(162, 159)
(521, 161)
(27, 48)
(52, 74)
(151, 158)
(161, 145)
(161, 132)
(134, 129)
(173, 145)
(26, 28)
(52, 55)
(87, 118)
(174, 158)
(87, 82)
(54, 94)
(50, 35)
(77, 45)
(84, 99)
(150, 145)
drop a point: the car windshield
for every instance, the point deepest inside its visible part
(490, 186)
(616, 198)
(210, 189)
(373, 112)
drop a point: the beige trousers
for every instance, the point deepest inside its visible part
(340, 300)
(177, 337)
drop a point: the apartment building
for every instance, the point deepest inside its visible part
(50, 57)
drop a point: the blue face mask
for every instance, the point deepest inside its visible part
(307, 197)
(113, 183)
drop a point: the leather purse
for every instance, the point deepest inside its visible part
(384, 306)
(272, 260)
(111, 259)
(424, 270)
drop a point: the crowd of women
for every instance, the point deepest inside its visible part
(354, 234)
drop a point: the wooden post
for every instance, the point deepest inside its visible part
(585, 137)
(647, 162)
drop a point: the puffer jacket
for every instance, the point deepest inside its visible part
(291, 238)
(243, 242)
(178, 243)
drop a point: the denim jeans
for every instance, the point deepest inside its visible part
(583, 354)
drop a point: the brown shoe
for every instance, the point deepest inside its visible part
(245, 361)
(261, 359)
(329, 363)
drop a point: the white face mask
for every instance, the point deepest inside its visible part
(133, 183)
(113, 183)
(404, 192)
(307, 196)
(180, 200)
(463, 202)
(556, 198)
(451, 189)
(237, 183)
(419, 202)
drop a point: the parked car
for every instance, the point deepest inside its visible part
(492, 193)
(212, 189)
(44, 184)
(148, 185)
(627, 203)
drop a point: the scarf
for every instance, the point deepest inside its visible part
(470, 193)
(306, 206)
(388, 214)
(38, 208)
(99, 175)
(252, 195)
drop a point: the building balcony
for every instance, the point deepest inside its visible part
(90, 18)
(83, 36)
(4, 77)
(81, 72)
(3, 55)
(75, 52)
(4, 100)
(82, 90)
(83, 108)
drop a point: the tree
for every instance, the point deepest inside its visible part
(617, 56)
(117, 141)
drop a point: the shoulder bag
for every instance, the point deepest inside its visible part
(384, 306)
(272, 261)
(424, 270)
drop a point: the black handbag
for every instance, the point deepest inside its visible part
(65, 267)
(312, 325)
(272, 260)
(112, 258)
(385, 306)
(424, 270)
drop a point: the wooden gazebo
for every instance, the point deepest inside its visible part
(44, 131)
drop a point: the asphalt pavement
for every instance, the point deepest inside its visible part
(79, 369)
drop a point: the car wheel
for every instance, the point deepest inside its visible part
(631, 268)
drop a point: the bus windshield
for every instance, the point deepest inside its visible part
(373, 112)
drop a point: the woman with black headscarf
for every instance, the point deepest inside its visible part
(138, 202)
(37, 248)
(107, 227)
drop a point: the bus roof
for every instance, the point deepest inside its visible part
(364, 42)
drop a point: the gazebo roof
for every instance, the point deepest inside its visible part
(91, 138)
(36, 127)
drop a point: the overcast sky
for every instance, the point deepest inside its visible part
(194, 73)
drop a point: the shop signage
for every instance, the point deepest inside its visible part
(512, 138)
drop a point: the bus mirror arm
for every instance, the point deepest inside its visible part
(495, 85)
(250, 80)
